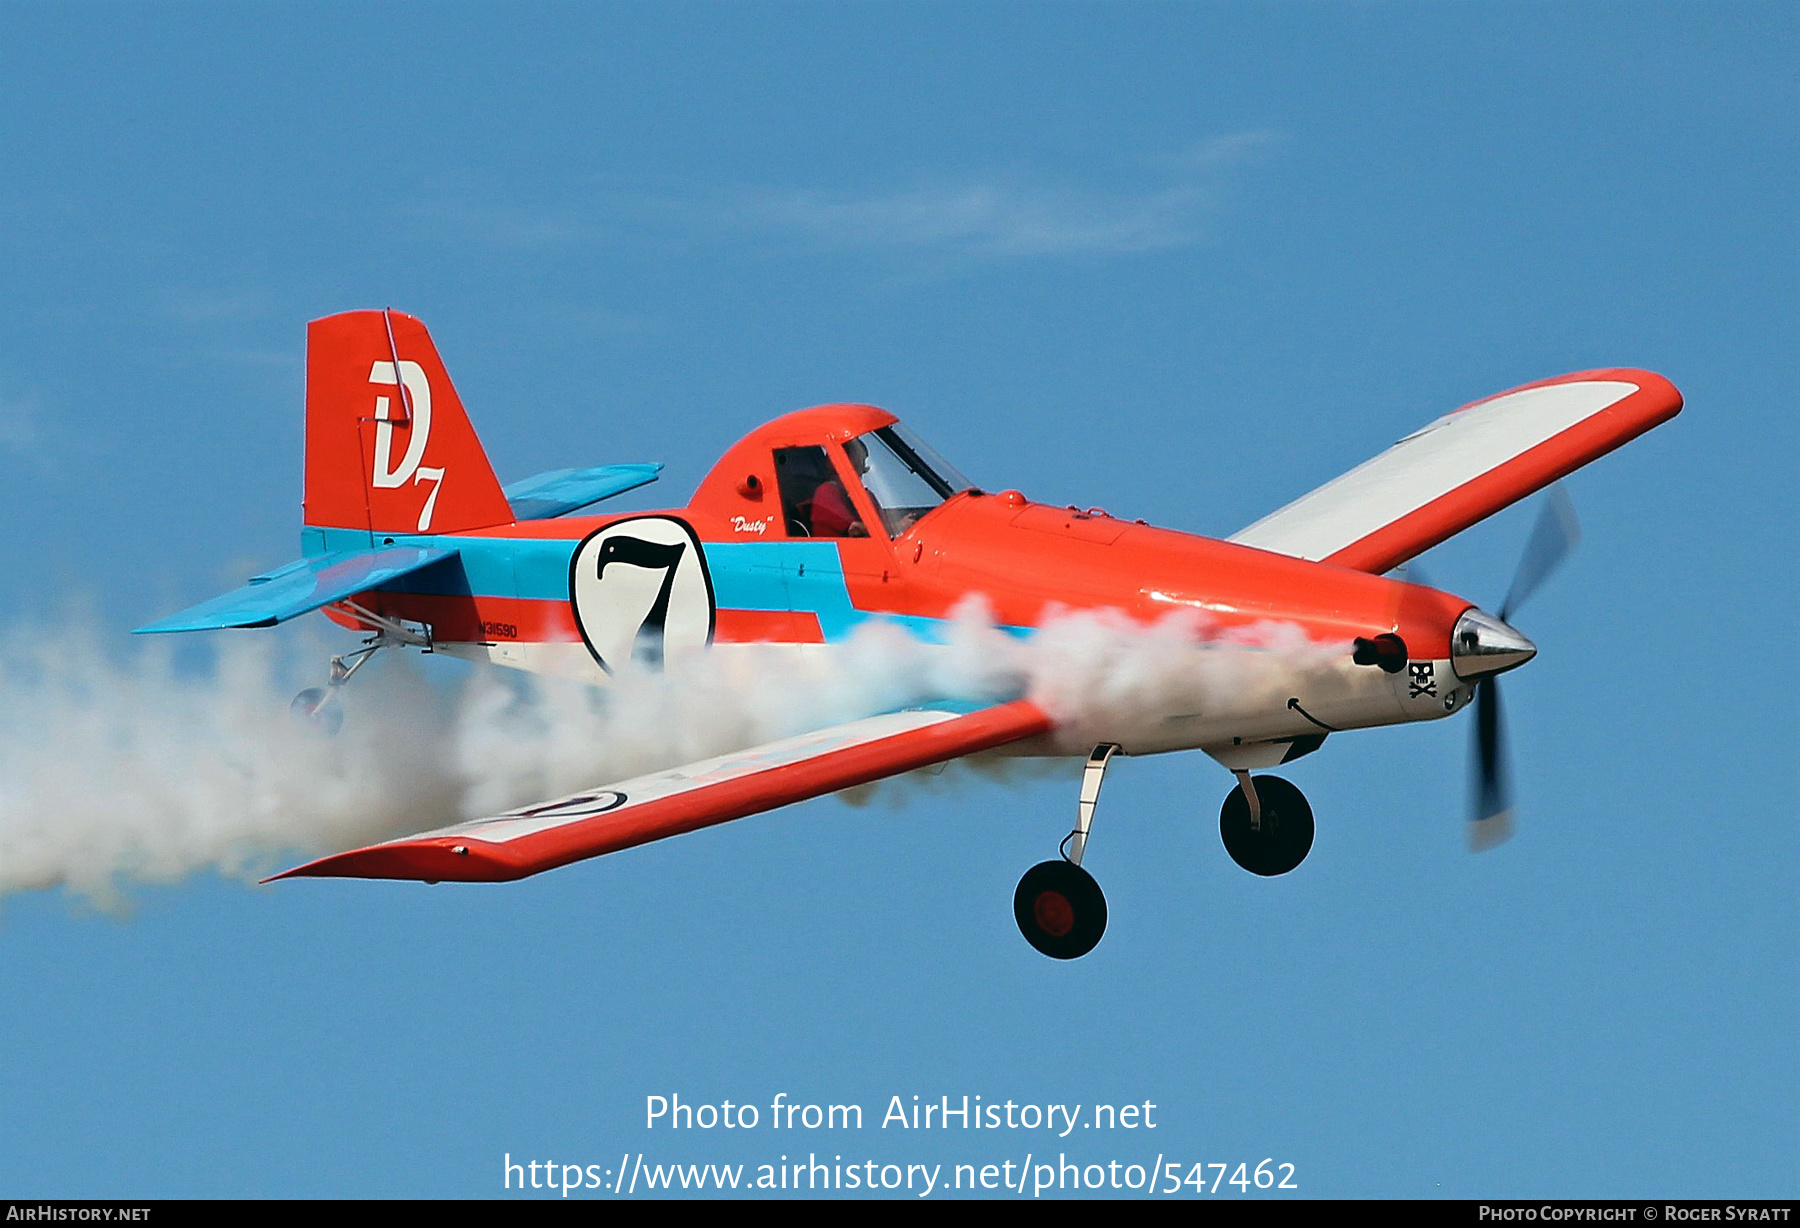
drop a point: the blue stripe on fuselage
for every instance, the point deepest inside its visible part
(806, 576)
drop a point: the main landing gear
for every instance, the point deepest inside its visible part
(1266, 824)
(317, 707)
(1058, 905)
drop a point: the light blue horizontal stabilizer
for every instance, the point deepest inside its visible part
(561, 491)
(299, 587)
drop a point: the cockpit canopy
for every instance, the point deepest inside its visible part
(899, 472)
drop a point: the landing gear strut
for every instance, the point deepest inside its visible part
(317, 707)
(1266, 824)
(1058, 905)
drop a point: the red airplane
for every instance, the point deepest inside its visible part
(832, 517)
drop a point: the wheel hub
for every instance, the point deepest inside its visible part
(1053, 913)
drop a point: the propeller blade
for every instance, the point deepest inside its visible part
(1490, 821)
(1555, 534)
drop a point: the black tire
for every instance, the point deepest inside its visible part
(317, 709)
(1060, 909)
(1286, 833)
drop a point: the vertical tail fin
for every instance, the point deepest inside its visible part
(388, 446)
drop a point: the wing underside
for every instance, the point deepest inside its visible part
(631, 812)
(1464, 467)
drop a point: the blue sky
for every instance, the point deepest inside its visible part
(1181, 261)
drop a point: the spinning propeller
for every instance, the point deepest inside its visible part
(1483, 646)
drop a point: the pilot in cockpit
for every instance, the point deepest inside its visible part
(833, 514)
(813, 497)
(902, 477)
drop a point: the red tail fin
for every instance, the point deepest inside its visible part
(388, 446)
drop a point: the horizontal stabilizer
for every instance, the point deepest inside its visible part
(562, 491)
(300, 587)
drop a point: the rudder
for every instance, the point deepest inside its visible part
(389, 448)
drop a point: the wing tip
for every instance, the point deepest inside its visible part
(1655, 392)
(1662, 388)
(429, 861)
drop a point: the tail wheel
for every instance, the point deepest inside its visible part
(1282, 839)
(317, 709)
(1060, 909)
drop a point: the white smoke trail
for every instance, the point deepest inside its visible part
(118, 769)
(1105, 676)
(136, 769)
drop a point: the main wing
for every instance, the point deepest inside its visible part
(617, 816)
(1464, 467)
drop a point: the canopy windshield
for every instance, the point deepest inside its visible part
(903, 475)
